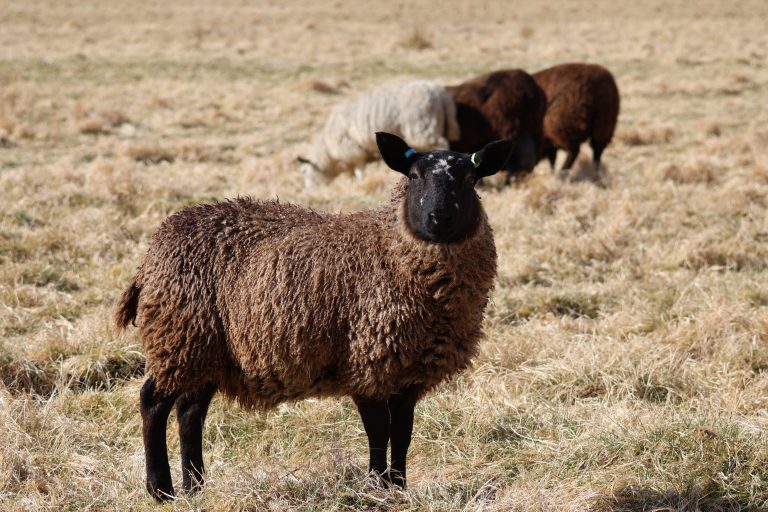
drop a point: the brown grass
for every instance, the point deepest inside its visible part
(415, 39)
(698, 170)
(646, 135)
(626, 360)
(321, 87)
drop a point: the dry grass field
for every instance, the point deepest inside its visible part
(626, 360)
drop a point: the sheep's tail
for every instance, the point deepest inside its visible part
(126, 308)
(452, 130)
(604, 123)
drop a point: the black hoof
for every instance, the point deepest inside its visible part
(193, 486)
(397, 479)
(378, 480)
(161, 491)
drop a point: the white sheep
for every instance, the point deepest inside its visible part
(420, 111)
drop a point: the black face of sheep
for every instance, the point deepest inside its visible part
(524, 158)
(441, 203)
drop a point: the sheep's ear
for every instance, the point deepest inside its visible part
(395, 152)
(492, 157)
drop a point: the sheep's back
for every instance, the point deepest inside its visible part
(413, 110)
(498, 105)
(583, 103)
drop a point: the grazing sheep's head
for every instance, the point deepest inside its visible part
(311, 172)
(440, 200)
(525, 156)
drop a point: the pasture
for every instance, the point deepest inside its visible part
(625, 365)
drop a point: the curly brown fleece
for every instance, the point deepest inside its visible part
(274, 302)
(583, 103)
(498, 105)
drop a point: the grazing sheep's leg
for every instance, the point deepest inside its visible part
(375, 415)
(597, 152)
(191, 410)
(551, 154)
(573, 152)
(155, 409)
(401, 406)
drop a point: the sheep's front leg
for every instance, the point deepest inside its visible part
(191, 410)
(401, 407)
(155, 408)
(375, 416)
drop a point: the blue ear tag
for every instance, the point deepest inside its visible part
(472, 159)
(409, 153)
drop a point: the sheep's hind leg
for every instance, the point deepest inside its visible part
(573, 152)
(155, 409)
(191, 410)
(597, 152)
(375, 416)
(401, 407)
(551, 154)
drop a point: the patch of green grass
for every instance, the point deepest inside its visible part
(25, 219)
(650, 389)
(87, 158)
(11, 164)
(516, 310)
(758, 298)
(576, 306)
(13, 247)
(70, 70)
(661, 304)
(48, 275)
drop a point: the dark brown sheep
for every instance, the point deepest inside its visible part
(505, 104)
(270, 302)
(582, 104)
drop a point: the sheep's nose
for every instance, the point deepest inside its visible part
(439, 219)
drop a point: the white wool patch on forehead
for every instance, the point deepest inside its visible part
(442, 166)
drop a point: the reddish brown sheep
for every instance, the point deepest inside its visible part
(582, 103)
(269, 302)
(504, 104)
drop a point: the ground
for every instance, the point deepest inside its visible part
(626, 360)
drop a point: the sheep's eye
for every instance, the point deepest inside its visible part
(413, 175)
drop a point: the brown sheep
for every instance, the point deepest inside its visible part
(582, 103)
(270, 302)
(505, 104)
